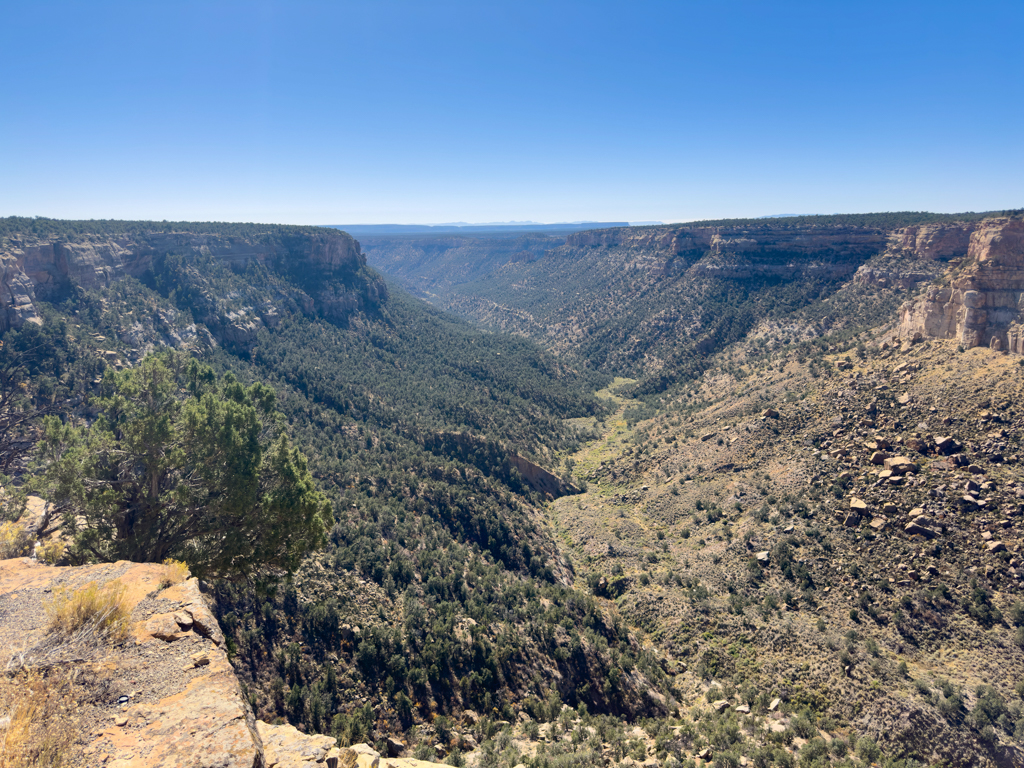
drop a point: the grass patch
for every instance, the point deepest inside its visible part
(93, 609)
(40, 733)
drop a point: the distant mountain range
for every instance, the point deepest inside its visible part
(358, 230)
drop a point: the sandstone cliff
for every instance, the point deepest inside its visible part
(981, 300)
(743, 252)
(40, 268)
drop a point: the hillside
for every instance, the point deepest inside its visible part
(793, 537)
(430, 266)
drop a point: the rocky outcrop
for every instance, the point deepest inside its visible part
(982, 301)
(32, 268)
(936, 241)
(491, 456)
(165, 696)
(540, 479)
(762, 242)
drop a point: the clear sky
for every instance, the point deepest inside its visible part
(372, 112)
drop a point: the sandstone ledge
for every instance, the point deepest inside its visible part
(163, 702)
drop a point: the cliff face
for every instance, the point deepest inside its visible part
(982, 300)
(741, 252)
(936, 241)
(32, 269)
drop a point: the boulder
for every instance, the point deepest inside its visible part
(285, 746)
(900, 465)
(358, 756)
(879, 457)
(996, 546)
(858, 505)
(916, 444)
(163, 626)
(914, 528)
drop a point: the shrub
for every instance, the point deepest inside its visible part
(175, 572)
(14, 540)
(839, 748)
(40, 708)
(51, 552)
(803, 727)
(102, 610)
(867, 750)
(814, 752)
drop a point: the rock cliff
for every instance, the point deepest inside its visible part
(38, 268)
(981, 300)
(743, 252)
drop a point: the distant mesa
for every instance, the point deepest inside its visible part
(367, 230)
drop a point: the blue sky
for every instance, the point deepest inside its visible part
(372, 112)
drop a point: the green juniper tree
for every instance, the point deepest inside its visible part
(180, 464)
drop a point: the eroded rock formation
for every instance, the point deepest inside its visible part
(982, 300)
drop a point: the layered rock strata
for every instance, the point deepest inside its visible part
(33, 268)
(982, 301)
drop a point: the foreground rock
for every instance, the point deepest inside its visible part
(164, 698)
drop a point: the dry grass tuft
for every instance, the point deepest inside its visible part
(38, 710)
(102, 611)
(175, 572)
(14, 540)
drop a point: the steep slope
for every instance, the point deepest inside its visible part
(835, 546)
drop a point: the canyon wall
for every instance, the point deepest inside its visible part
(743, 252)
(33, 268)
(981, 301)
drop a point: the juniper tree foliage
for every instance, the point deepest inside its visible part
(185, 465)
